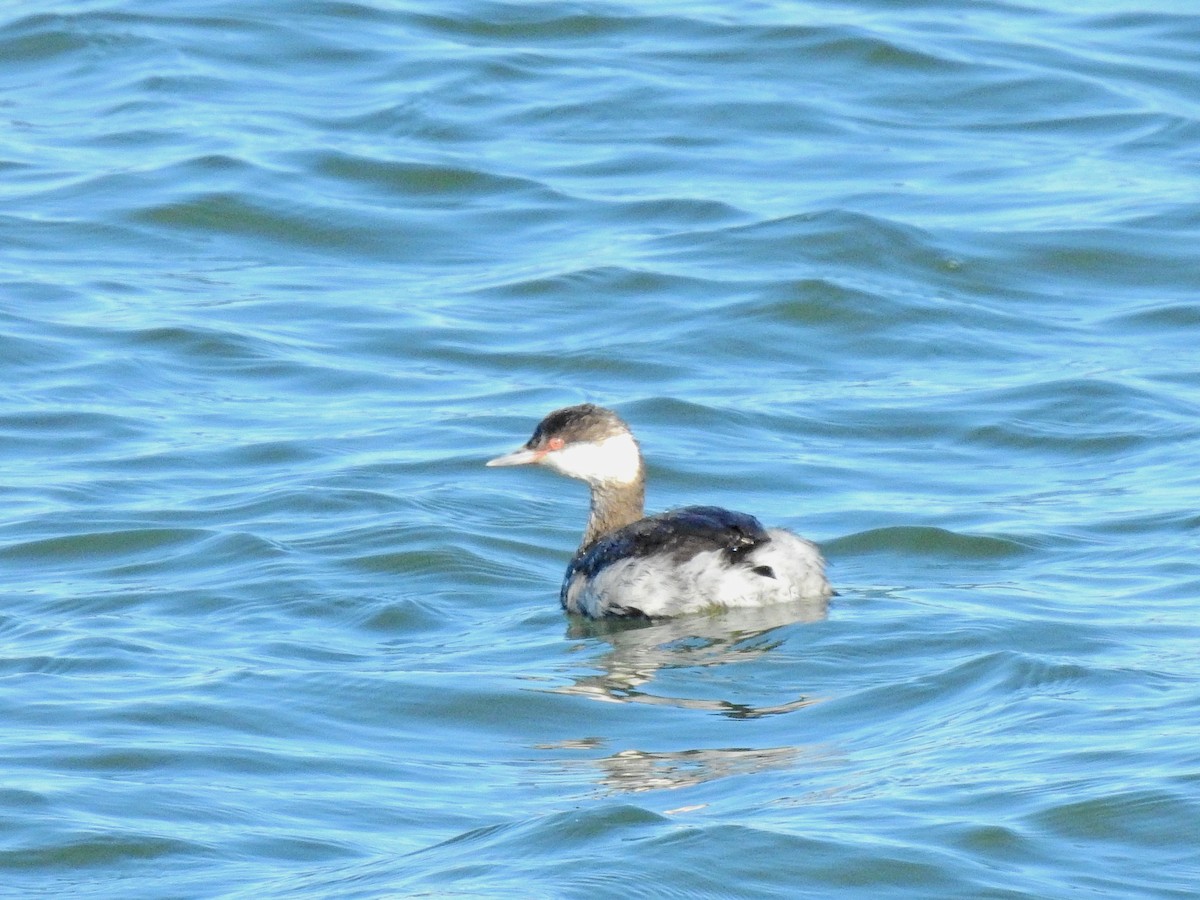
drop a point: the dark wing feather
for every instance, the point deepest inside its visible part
(679, 534)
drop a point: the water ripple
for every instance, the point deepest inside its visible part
(279, 278)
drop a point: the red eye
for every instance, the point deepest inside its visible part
(555, 443)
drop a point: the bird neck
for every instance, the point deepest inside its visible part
(614, 505)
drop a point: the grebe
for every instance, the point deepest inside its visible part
(683, 561)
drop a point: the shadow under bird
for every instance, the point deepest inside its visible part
(687, 560)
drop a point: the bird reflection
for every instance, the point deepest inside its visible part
(638, 651)
(635, 771)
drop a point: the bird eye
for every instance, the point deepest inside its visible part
(555, 443)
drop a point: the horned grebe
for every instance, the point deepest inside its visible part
(683, 561)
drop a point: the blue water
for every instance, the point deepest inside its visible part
(917, 280)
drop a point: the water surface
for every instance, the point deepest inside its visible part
(918, 281)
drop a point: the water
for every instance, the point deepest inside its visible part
(918, 280)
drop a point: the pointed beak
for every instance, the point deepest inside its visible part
(521, 457)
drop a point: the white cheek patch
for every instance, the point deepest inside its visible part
(613, 460)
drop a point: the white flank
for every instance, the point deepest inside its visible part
(659, 586)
